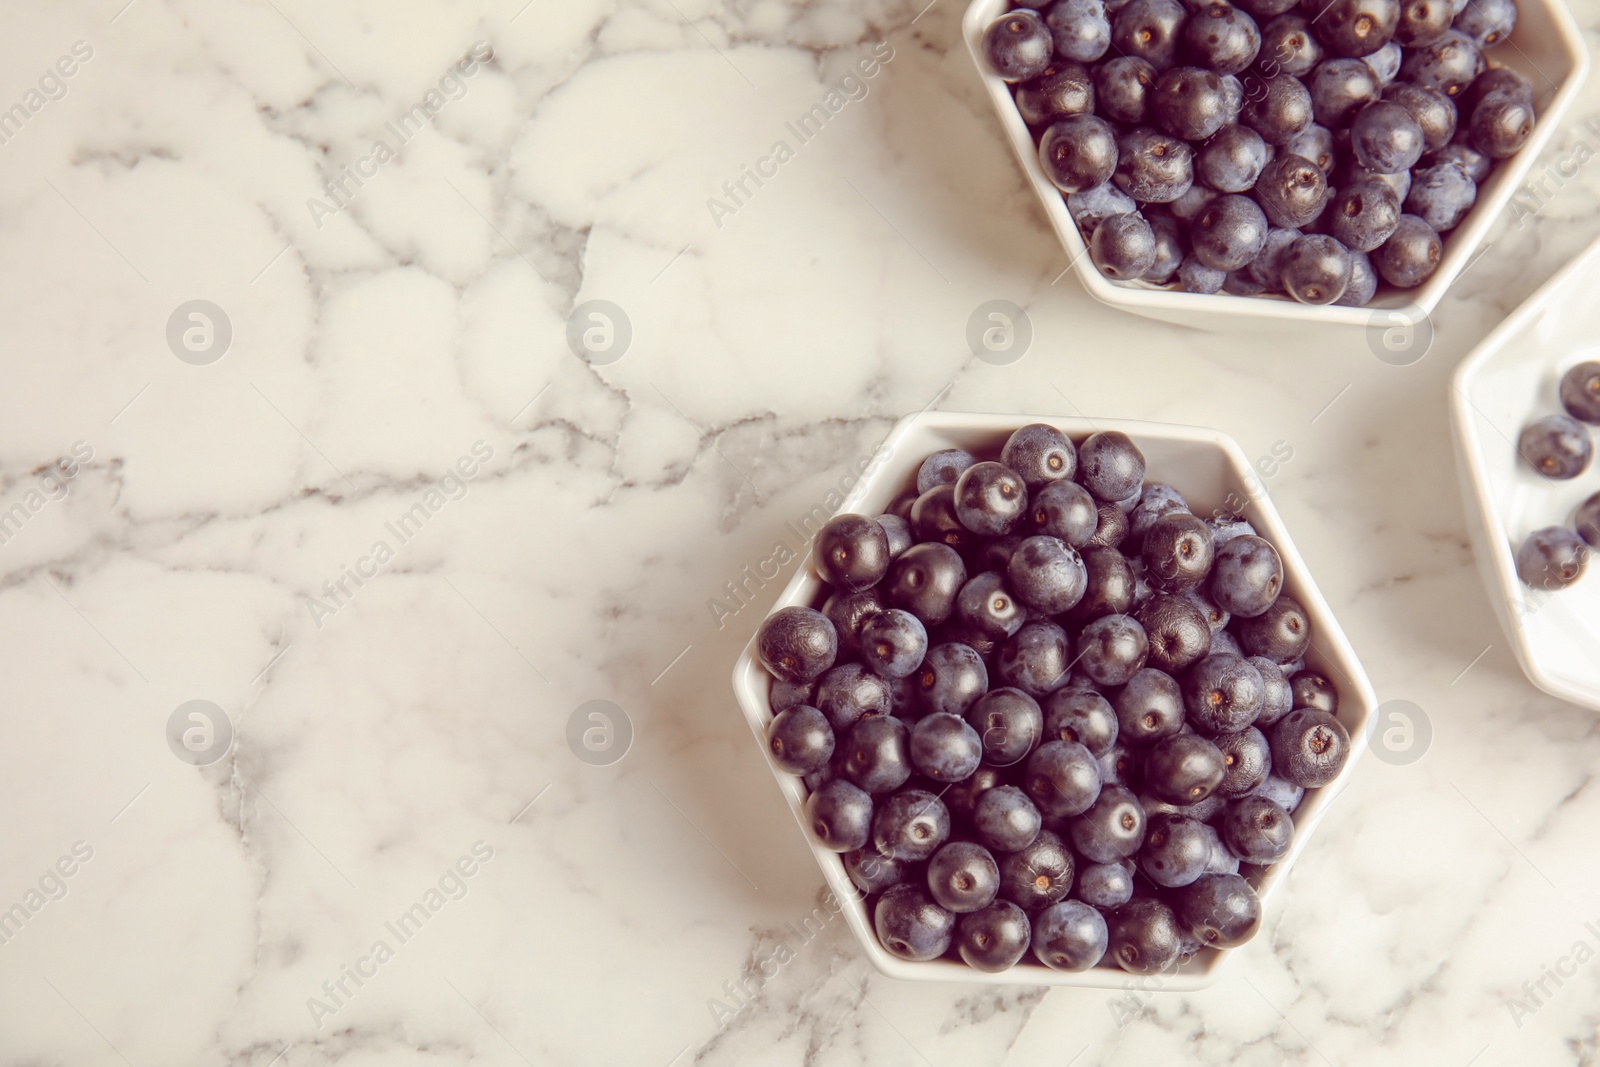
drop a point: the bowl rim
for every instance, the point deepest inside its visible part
(751, 687)
(1463, 241)
(1492, 540)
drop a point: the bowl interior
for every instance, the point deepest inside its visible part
(1508, 382)
(1546, 47)
(1213, 474)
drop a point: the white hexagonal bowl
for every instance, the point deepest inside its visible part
(1546, 46)
(1207, 466)
(1510, 379)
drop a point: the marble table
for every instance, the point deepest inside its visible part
(364, 504)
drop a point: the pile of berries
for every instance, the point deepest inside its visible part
(1307, 147)
(1046, 706)
(1559, 447)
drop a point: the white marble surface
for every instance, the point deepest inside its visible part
(378, 739)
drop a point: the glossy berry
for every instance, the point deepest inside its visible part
(876, 755)
(1422, 21)
(985, 605)
(1078, 153)
(1148, 29)
(1410, 255)
(1110, 466)
(1047, 574)
(911, 925)
(1065, 89)
(1112, 828)
(1503, 79)
(1177, 630)
(925, 580)
(1040, 454)
(1292, 191)
(1247, 576)
(1247, 760)
(1289, 46)
(893, 643)
(1018, 45)
(1184, 768)
(1005, 819)
(942, 468)
(1448, 64)
(1105, 885)
(1475, 163)
(1385, 138)
(1039, 875)
(963, 876)
(1364, 214)
(1036, 660)
(1175, 852)
(847, 612)
(1177, 552)
(1552, 558)
(1257, 830)
(1122, 88)
(1149, 707)
(1580, 391)
(993, 938)
(1277, 695)
(962, 798)
(800, 739)
(1556, 446)
(840, 815)
(1112, 648)
(897, 532)
(874, 873)
(1221, 910)
(1586, 522)
(933, 518)
(1487, 21)
(1501, 124)
(1229, 233)
(785, 695)
(1309, 747)
(1316, 269)
(1152, 166)
(1312, 689)
(1339, 87)
(1067, 511)
(1315, 143)
(943, 747)
(990, 499)
(1266, 270)
(1110, 588)
(1223, 694)
(797, 644)
(1434, 113)
(1232, 159)
(1062, 778)
(848, 691)
(1278, 107)
(1363, 281)
(910, 825)
(851, 552)
(1123, 247)
(1081, 716)
(1282, 633)
(1081, 28)
(1069, 936)
(1221, 37)
(1009, 723)
(1189, 102)
(1357, 27)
